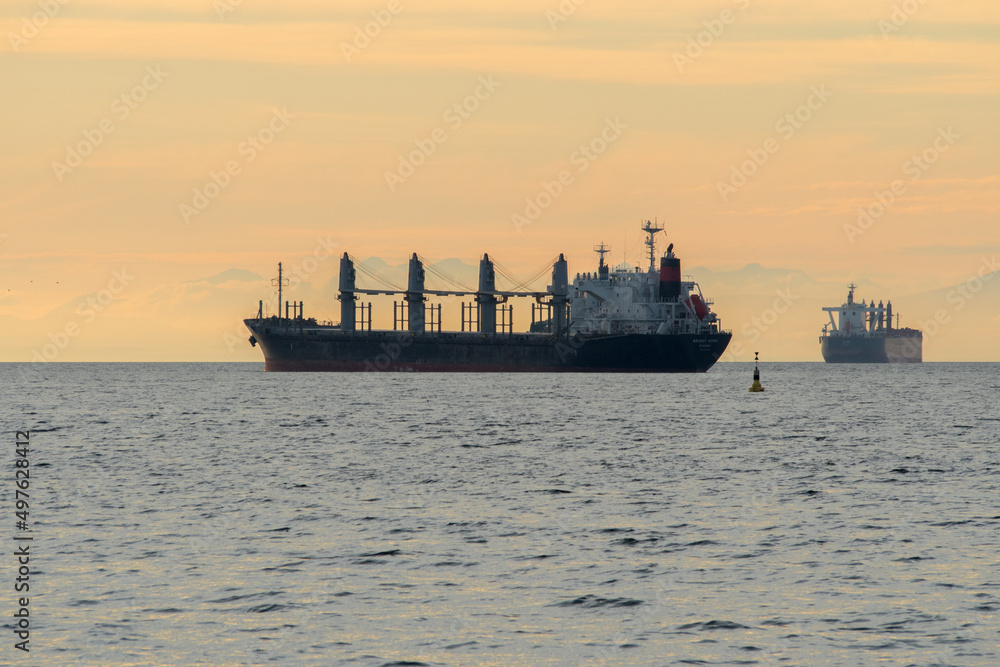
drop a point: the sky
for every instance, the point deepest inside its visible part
(161, 157)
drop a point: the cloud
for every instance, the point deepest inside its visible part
(445, 38)
(951, 249)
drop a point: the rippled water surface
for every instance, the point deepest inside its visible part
(213, 514)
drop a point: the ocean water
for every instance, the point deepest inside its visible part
(214, 514)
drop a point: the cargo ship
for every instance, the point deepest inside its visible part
(864, 333)
(609, 320)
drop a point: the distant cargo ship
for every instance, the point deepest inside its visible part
(864, 333)
(619, 320)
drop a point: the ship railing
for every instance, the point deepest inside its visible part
(453, 293)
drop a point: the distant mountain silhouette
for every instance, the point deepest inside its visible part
(771, 309)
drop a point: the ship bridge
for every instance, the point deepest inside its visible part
(628, 300)
(858, 318)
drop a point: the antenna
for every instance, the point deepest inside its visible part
(280, 282)
(651, 230)
(602, 250)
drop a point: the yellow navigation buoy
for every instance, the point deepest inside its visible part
(756, 374)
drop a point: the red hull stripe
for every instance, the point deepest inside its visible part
(364, 366)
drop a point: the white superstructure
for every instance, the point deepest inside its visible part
(858, 318)
(629, 301)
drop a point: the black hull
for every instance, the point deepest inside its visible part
(288, 348)
(884, 349)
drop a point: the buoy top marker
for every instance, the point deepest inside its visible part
(756, 386)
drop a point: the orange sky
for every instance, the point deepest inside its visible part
(754, 129)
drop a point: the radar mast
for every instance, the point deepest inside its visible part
(651, 230)
(602, 249)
